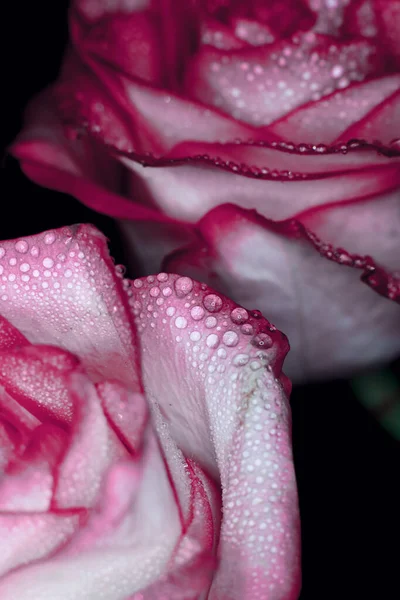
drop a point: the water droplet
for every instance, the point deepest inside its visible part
(195, 336)
(230, 338)
(24, 267)
(247, 329)
(167, 291)
(49, 238)
(337, 71)
(48, 262)
(210, 322)
(262, 340)
(162, 276)
(241, 360)
(256, 314)
(22, 246)
(255, 365)
(170, 311)
(212, 340)
(138, 283)
(212, 303)
(183, 285)
(197, 313)
(239, 315)
(154, 292)
(180, 322)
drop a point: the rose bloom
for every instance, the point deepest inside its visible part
(222, 134)
(144, 434)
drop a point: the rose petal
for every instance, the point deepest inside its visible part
(126, 411)
(260, 85)
(330, 15)
(131, 41)
(166, 31)
(32, 375)
(193, 564)
(187, 191)
(64, 291)
(380, 124)
(45, 140)
(93, 447)
(8, 441)
(29, 491)
(257, 259)
(219, 35)
(128, 515)
(361, 19)
(253, 32)
(93, 107)
(138, 517)
(28, 483)
(220, 393)
(132, 116)
(131, 534)
(75, 166)
(95, 9)
(365, 228)
(389, 19)
(10, 336)
(21, 420)
(323, 121)
(284, 18)
(159, 111)
(33, 537)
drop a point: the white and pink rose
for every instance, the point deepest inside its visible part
(145, 438)
(221, 134)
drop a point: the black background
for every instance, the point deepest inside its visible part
(347, 466)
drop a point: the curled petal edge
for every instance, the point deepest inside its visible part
(373, 274)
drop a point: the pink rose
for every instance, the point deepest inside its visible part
(119, 445)
(222, 134)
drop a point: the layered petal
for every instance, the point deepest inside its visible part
(166, 110)
(69, 163)
(381, 123)
(277, 176)
(260, 85)
(27, 483)
(10, 336)
(33, 376)
(32, 537)
(81, 486)
(92, 449)
(334, 322)
(133, 539)
(218, 391)
(61, 287)
(324, 121)
(128, 39)
(388, 14)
